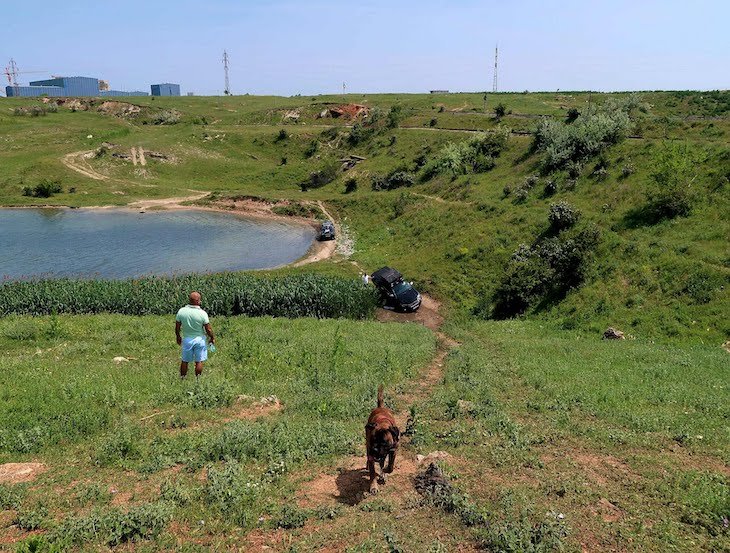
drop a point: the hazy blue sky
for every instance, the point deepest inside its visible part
(289, 47)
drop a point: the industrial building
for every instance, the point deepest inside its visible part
(165, 89)
(68, 86)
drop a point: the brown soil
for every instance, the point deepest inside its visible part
(12, 473)
(261, 408)
(602, 469)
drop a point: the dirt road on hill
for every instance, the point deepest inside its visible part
(77, 161)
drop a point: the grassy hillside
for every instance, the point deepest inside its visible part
(453, 231)
(563, 213)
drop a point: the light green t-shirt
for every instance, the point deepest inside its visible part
(192, 318)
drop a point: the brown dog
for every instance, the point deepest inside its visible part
(381, 441)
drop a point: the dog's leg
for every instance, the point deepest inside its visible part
(373, 477)
(391, 462)
(382, 471)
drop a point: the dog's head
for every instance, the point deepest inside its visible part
(384, 439)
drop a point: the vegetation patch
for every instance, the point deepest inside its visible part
(305, 295)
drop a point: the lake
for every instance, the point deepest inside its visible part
(122, 243)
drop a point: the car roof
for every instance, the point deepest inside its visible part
(386, 275)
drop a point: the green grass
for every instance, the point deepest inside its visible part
(560, 421)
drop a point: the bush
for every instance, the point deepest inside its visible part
(545, 270)
(35, 111)
(44, 189)
(311, 148)
(52, 107)
(433, 122)
(305, 295)
(500, 110)
(562, 216)
(573, 114)
(320, 177)
(474, 155)
(291, 516)
(31, 519)
(673, 172)
(167, 117)
(282, 135)
(394, 117)
(350, 185)
(359, 134)
(395, 179)
(586, 136)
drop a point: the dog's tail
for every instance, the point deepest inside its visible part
(380, 395)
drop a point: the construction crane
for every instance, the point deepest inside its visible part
(12, 72)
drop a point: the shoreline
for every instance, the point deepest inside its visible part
(250, 208)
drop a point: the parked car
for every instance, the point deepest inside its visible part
(397, 293)
(327, 231)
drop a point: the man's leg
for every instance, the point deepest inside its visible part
(184, 368)
(198, 368)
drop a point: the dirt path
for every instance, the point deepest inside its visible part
(320, 250)
(76, 161)
(169, 203)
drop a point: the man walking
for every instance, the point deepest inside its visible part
(194, 324)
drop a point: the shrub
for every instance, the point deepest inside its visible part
(562, 216)
(394, 117)
(433, 122)
(673, 173)
(350, 185)
(116, 446)
(325, 175)
(573, 114)
(359, 134)
(588, 135)
(35, 111)
(474, 155)
(52, 107)
(500, 110)
(627, 170)
(282, 135)
(311, 148)
(167, 117)
(10, 497)
(547, 269)
(395, 179)
(551, 187)
(44, 189)
(19, 112)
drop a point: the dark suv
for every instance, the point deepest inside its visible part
(327, 231)
(397, 294)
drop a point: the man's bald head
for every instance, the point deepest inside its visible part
(194, 298)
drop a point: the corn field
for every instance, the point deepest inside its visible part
(307, 295)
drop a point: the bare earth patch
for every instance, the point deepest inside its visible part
(12, 473)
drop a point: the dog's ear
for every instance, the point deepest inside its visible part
(396, 432)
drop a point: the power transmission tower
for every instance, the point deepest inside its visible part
(11, 72)
(344, 88)
(227, 89)
(494, 82)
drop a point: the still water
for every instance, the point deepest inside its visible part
(119, 243)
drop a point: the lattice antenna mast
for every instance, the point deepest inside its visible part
(494, 82)
(227, 89)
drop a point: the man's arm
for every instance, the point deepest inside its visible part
(178, 324)
(209, 332)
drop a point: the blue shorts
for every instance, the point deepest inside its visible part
(194, 349)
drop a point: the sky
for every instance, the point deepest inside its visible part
(287, 47)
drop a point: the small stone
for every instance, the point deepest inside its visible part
(120, 359)
(613, 334)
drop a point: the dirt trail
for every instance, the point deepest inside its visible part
(76, 161)
(169, 203)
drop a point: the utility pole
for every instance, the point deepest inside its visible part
(344, 88)
(494, 82)
(227, 89)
